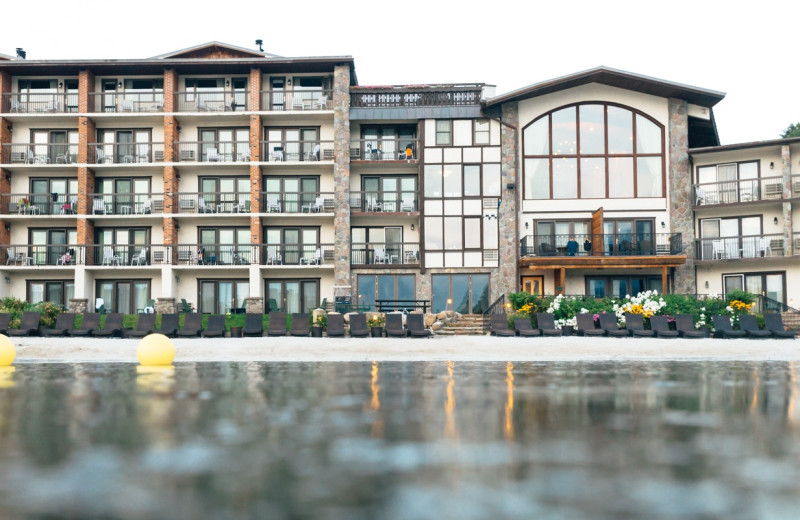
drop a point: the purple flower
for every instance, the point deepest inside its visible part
(596, 317)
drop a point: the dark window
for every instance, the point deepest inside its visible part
(384, 287)
(467, 293)
(125, 296)
(59, 292)
(444, 132)
(220, 296)
(293, 295)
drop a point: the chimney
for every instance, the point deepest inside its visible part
(21, 53)
(258, 42)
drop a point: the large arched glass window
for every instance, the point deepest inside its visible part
(593, 151)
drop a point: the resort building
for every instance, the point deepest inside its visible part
(233, 180)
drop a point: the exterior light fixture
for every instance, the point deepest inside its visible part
(663, 224)
(771, 165)
(706, 284)
(412, 227)
(775, 221)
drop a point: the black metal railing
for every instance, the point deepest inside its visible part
(746, 190)
(384, 201)
(618, 244)
(733, 248)
(498, 307)
(126, 102)
(114, 255)
(383, 149)
(212, 151)
(126, 203)
(35, 153)
(27, 103)
(293, 151)
(216, 254)
(298, 202)
(212, 101)
(214, 202)
(42, 254)
(126, 153)
(38, 203)
(294, 100)
(297, 254)
(384, 253)
(409, 97)
(402, 305)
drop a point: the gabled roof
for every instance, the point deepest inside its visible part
(213, 50)
(614, 78)
(745, 146)
(5, 57)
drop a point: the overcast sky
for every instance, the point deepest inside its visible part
(747, 53)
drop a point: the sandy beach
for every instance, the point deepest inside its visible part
(451, 348)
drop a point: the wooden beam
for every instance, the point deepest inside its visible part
(663, 279)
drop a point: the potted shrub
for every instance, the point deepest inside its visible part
(319, 325)
(375, 324)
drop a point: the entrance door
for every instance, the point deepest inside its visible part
(533, 284)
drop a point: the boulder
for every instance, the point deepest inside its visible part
(437, 325)
(316, 313)
(430, 319)
(442, 315)
(347, 317)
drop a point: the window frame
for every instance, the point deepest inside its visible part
(46, 282)
(448, 132)
(113, 308)
(476, 132)
(301, 283)
(216, 282)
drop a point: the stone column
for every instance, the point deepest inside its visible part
(78, 305)
(165, 305)
(788, 230)
(504, 279)
(341, 174)
(254, 305)
(679, 186)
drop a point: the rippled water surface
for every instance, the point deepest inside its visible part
(400, 440)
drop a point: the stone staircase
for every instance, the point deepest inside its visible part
(466, 325)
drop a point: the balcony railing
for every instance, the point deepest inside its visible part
(297, 254)
(384, 201)
(384, 253)
(383, 149)
(33, 153)
(126, 153)
(298, 202)
(796, 244)
(126, 203)
(729, 192)
(32, 103)
(38, 203)
(38, 254)
(293, 151)
(589, 245)
(212, 101)
(409, 97)
(213, 151)
(254, 254)
(733, 248)
(288, 100)
(113, 255)
(130, 102)
(795, 180)
(214, 202)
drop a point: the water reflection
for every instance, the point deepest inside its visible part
(400, 440)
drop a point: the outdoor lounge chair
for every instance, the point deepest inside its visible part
(113, 326)
(545, 322)
(90, 321)
(660, 324)
(586, 326)
(216, 327)
(635, 324)
(192, 325)
(146, 324)
(498, 326)
(64, 322)
(524, 327)
(684, 324)
(5, 321)
(335, 325)
(28, 326)
(253, 325)
(749, 324)
(394, 325)
(608, 322)
(300, 324)
(277, 324)
(416, 326)
(358, 326)
(169, 324)
(773, 322)
(724, 329)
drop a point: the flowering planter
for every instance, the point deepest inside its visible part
(316, 332)
(376, 332)
(567, 330)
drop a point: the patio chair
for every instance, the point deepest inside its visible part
(274, 257)
(5, 321)
(684, 324)
(14, 256)
(358, 326)
(192, 325)
(236, 258)
(724, 329)
(498, 326)
(253, 325)
(90, 321)
(113, 326)
(773, 322)
(127, 105)
(394, 325)
(380, 256)
(416, 326)
(524, 328)
(717, 250)
(29, 325)
(316, 259)
(241, 206)
(586, 325)
(202, 207)
(101, 156)
(64, 322)
(608, 322)
(145, 324)
(216, 327)
(315, 206)
(99, 206)
(635, 324)
(213, 155)
(749, 324)
(660, 325)
(545, 322)
(185, 307)
(147, 207)
(407, 204)
(141, 258)
(272, 204)
(109, 258)
(321, 103)
(169, 324)
(277, 324)
(335, 326)
(300, 324)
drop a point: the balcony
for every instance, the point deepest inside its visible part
(367, 97)
(296, 151)
(294, 101)
(622, 244)
(213, 101)
(35, 153)
(126, 102)
(298, 202)
(214, 202)
(383, 149)
(127, 203)
(383, 254)
(254, 254)
(383, 202)
(118, 255)
(32, 103)
(62, 255)
(213, 151)
(741, 247)
(732, 192)
(126, 153)
(38, 203)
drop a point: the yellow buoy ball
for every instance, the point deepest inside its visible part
(155, 350)
(7, 351)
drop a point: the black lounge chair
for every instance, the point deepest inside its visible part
(586, 326)
(90, 321)
(358, 326)
(5, 321)
(113, 326)
(300, 324)
(215, 327)
(773, 322)
(145, 324)
(498, 326)
(192, 325)
(608, 322)
(253, 325)
(724, 329)
(64, 323)
(524, 327)
(277, 324)
(660, 324)
(749, 324)
(546, 323)
(635, 324)
(394, 325)
(29, 325)
(416, 326)
(169, 324)
(684, 324)
(335, 325)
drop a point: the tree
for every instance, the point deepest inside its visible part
(792, 130)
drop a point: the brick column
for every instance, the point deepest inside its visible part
(679, 186)
(255, 89)
(86, 237)
(504, 279)
(341, 175)
(170, 88)
(255, 178)
(5, 87)
(87, 133)
(170, 174)
(85, 91)
(788, 229)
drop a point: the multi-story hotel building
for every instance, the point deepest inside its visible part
(235, 179)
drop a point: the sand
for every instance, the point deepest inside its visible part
(449, 348)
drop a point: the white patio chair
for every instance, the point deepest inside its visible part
(13, 256)
(127, 105)
(315, 206)
(213, 155)
(109, 258)
(380, 255)
(297, 101)
(315, 259)
(101, 156)
(241, 206)
(407, 204)
(147, 207)
(321, 103)
(141, 258)
(718, 250)
(273, 204)
(764, 247)
(99, 206)
(373, 204)
(274, 257)
(202, 207)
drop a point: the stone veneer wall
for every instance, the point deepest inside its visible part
(680, 190)
(254, 305)
(165, 306)
(788, 230)
(78, 305)
(504, 278)
(341, 175)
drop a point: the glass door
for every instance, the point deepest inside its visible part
(645, 240)
(275, 296)
(124, 147)
(208, 297)
(124, 292)
(109, 95)
(239, 94)
(40, 199)
(291, 246)
(310, 191)
(225, 144)
(291, 147)
(292, 297)
(291, 198)
(394, 244)
(389, 195)
(371, 199)
(123, 199)
(208, 140)
(210, 246)
(225, 299)
(278, 93)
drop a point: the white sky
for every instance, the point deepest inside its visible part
(743, 49)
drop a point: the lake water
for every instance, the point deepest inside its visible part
(400, 440)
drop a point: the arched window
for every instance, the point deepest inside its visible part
(593, 151)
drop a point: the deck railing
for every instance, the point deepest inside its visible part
(126, 203)
(212, 101)
(297, 254)
(38, 203)
(213, 151)
(296, 100)
(131, 102)
(126, 153)
(733, 248)
(293, 151)
(383, 149)
(409, 97)
(114, 255)
(35, 153)
(746, 190)
(384, 253)
(214, 202)
(384, 201)
(42, 254)
(587, 245)
(33, 103)
(297, 202)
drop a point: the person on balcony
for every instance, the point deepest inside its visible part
(572, 247)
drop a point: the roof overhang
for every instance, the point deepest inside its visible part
(602, 262)
(744, 146)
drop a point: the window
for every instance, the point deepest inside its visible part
(292, 245)
(126, 244)
(293, 295)
(205, 90)
(769, 285)
(55, 146)
(592, 151)
(292, 144)
(384, 287)
(225, 192)
(626, 237)
(552, 236)
(125, 296)
(292, 194)
(230, 144)
(457, 181)
(59, 292)
(220, 296)
(388, 142)
(620, 286)
(393, 193)
(225, 246)
(145, 89)
(124, 146)
(482, 133)
(469, 293)
(124, 195)
(730, 183)
(380, 245)
(49, 245)
(54, 196)
(733, 237)
(444, 132)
